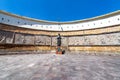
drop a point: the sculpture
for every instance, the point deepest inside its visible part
(58, 40)
(59, 50)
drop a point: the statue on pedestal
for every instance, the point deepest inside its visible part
(59, 50)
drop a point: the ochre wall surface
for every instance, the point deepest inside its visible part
(115, 28)
(14, 38)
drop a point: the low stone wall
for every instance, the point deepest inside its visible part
(16, 39)
(95, 48)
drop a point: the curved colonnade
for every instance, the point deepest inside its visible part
(97, 34)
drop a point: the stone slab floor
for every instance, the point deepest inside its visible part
(59, 67)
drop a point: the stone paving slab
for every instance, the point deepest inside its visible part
(59, 67)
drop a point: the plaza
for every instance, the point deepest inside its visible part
(59, 67)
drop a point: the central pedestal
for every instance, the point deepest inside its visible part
(58, 50)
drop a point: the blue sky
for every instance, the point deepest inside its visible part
(60, 10)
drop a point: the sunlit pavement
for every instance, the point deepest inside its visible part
(59, 67)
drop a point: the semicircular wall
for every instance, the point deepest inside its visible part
(24, 22)
(14, 37)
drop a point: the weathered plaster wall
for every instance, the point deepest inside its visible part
(97, 42)
(101, 39)
(97, 22)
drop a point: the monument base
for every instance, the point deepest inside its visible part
(58, 50)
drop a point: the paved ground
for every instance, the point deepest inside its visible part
(59, 67)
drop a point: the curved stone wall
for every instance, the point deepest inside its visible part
(107, 39)
(97, 39)
(24, 22)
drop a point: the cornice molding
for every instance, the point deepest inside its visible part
(69, 22)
